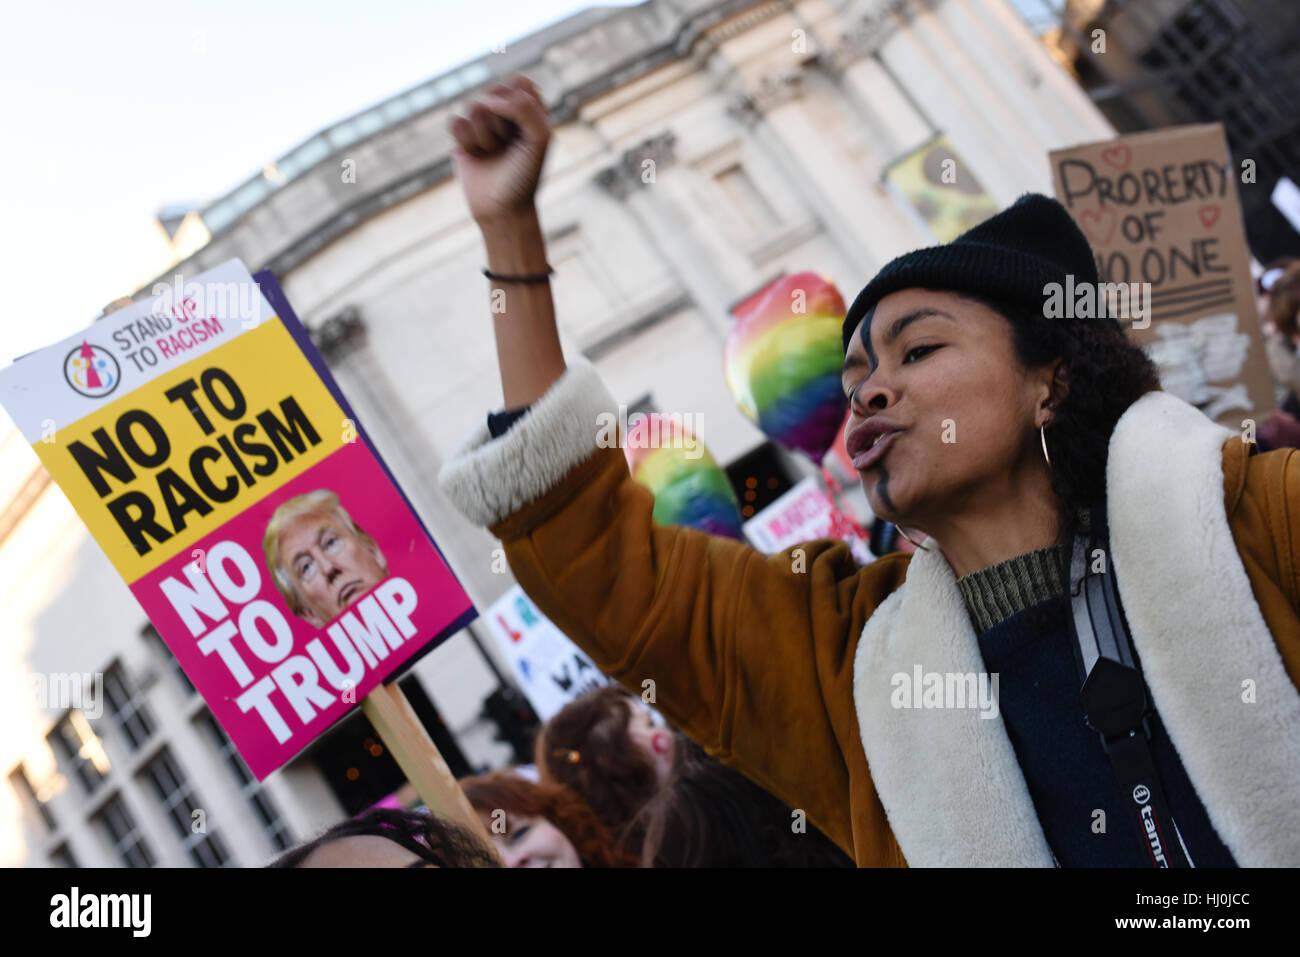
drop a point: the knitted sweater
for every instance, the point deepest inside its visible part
(1069, 776)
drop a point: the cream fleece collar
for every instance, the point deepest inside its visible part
(949, 779)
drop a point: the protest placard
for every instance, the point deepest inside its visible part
(549, 668)
(1162, 214)
(211, 455)
(941, 189)
(802, 514)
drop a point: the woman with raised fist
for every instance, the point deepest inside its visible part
(1101, 622)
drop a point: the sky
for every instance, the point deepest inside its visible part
(111, 111)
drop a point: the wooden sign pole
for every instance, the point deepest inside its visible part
(415, 753)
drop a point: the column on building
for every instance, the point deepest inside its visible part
(657, 194)
(1069, 115)
(1045, 102)
(835, 120)
(989, 129)
(894, 122)
(855, 212)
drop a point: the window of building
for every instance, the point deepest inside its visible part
(178, 799)
(268, 815)
(397, 110)
(371, 121)
(61, 856)
(79, 750)
(124, 834)
(474, 73)
(1040, 15)
(219, 216)
(250, 194)
(304, 157)
(422, 97)
(449, 86)
(151, 635)
(127, 708)
(226, 748)
(756, 213)
(30, 802)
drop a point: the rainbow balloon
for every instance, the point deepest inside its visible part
(783, 359)
(688, 485)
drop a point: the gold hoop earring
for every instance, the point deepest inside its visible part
(1042, 434)
(910, 538)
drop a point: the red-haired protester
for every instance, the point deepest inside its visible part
(539, 824)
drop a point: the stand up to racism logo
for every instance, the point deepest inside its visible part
(92, 371)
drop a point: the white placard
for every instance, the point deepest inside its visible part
(549, 668)
(802, 514)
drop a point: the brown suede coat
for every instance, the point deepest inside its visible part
(752, 655)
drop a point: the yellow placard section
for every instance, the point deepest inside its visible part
(942, 189)
(170, 462)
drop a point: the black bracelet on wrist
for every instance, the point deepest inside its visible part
(536, 277)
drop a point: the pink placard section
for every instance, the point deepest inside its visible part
(370, 591)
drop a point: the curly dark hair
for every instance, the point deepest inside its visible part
(1106, 373)
(427, 836)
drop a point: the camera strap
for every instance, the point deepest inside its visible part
(1114, 697)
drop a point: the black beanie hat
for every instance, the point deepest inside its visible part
(1010, 256)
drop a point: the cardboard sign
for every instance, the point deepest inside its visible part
(213, 458)
(550, 669)
(803, 514)
(1161, 209)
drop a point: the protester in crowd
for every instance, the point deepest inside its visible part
(712, 816)
(1009, 444)
(540, 825)
(1278, 292)
(607, 749)
(387, 837)
(1278, 323)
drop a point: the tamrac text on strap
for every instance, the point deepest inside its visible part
(1114, 699)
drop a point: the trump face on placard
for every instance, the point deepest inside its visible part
(321, 560)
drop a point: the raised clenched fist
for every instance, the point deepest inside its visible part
(500, 145)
